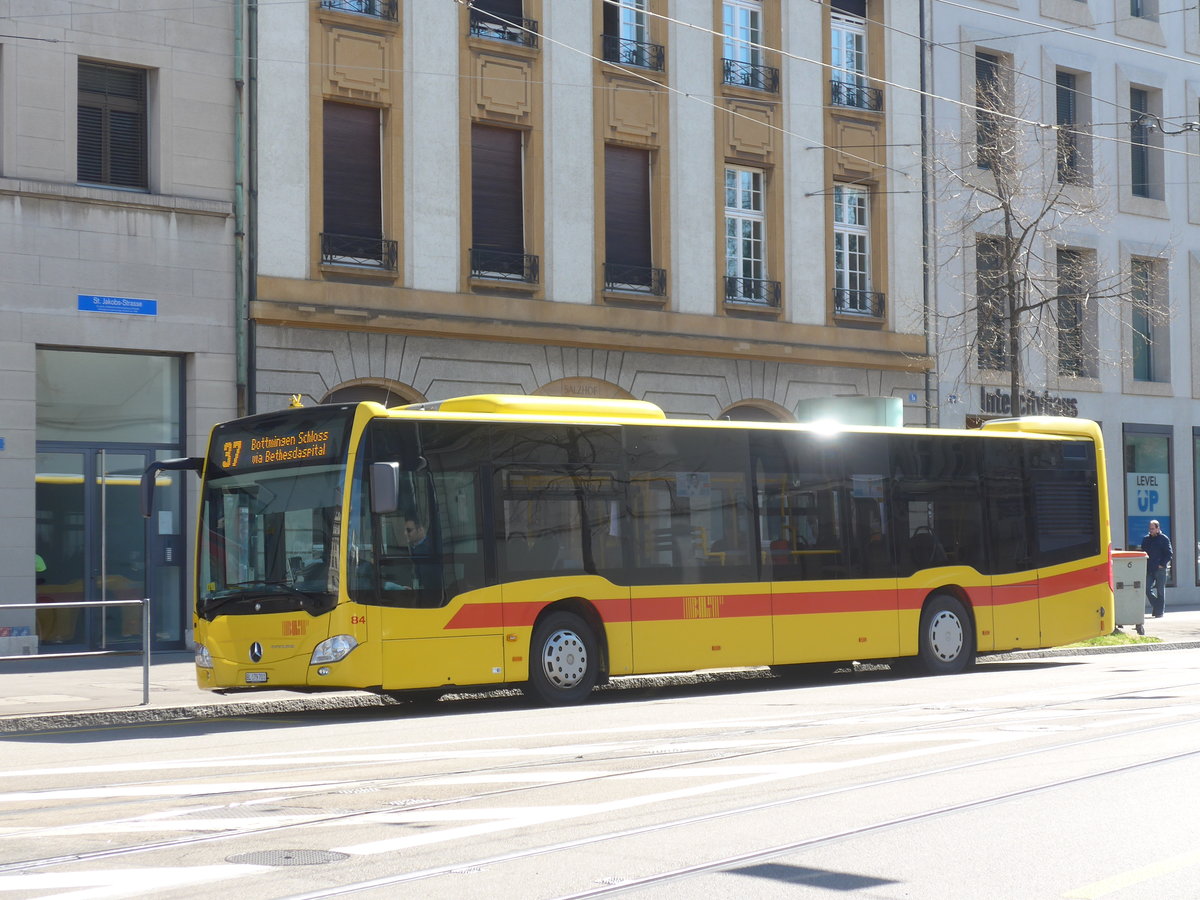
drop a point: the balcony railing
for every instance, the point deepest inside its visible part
(756, 291)
(857, 96)
(380, 9)
(516, 31)
(352, 250)
(751, 75)
(858, 303)
(504, 265)
(635, 279)
(628, 52)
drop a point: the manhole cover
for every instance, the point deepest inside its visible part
(287, 858)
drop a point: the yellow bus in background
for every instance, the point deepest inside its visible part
(554, 543)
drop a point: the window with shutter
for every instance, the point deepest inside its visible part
(991, 304)
(111, 126)
(497, 203)
(629, 254)
(353, 186)
(989, 99)
(1067, 119)
(1074, 268)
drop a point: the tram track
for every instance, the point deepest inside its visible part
(777, 849)
(653, 752)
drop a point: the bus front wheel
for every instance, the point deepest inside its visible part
(947, 640)
(564, 661)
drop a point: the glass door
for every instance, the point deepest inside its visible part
(96, 546)
(61, 542)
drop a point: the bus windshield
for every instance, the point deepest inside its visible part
(268, 536)
(271, 513)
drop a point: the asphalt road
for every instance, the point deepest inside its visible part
(1071, 777)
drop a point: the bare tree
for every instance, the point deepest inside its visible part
(1011, 191)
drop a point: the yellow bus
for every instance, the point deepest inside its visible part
(554, 543)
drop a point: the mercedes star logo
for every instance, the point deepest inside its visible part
(255, 652)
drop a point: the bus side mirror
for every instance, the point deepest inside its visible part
(150, 476)
(385, 487)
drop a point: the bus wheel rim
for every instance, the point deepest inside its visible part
(565, 659)
(946, 636)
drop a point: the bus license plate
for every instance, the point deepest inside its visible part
(256, 678)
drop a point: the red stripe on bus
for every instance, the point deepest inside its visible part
(700, 605)
(796, 603)
(681, 607)
(478, 615)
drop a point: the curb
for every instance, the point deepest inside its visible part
(1089, 651)
(27, 724)
(141, 715)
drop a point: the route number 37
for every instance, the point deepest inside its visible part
(233, 453)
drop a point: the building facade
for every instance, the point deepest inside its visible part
(587, 198)
(117, 262)
(1092, 101)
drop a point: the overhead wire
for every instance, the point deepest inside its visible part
(1001, 114)
(1084, 132)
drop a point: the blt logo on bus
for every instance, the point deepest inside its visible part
(295, 628)
(1147, 493)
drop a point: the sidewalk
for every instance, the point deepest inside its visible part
(53, 694)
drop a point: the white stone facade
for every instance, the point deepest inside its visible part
(1109, 52)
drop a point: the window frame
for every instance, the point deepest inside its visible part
(1145, 144)
(743, 49)
(1148, 310)
(100, 144)
(852, 27)
(990, 101)
(737, 216)
(501, 204)
(354, 192)
(992, 355)
(845, 233)
(1072, 265)
(1070, 159)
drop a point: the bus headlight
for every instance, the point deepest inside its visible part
(333, 649)
(203, 657)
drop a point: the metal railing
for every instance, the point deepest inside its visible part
(504, 265)
(856, 96)
(352, 250)
(380, 9)
(751, 75)
(635, 279)
(516, 31)
(755, 291)
(858, 303)
(628, 52)
(144, 603)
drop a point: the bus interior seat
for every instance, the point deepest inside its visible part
(543, 553)
(925, 549)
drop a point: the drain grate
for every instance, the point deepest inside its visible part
(287, 858)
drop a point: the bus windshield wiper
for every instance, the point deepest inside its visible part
(236, 591)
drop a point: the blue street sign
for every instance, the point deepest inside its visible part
(130, 306)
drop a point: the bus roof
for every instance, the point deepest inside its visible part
(538, 405)
(521, 406)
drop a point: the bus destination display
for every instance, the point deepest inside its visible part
(279, 440)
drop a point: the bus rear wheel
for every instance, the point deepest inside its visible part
(564, 661)
(947, 639)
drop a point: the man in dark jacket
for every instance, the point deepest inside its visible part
(1157, 547)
